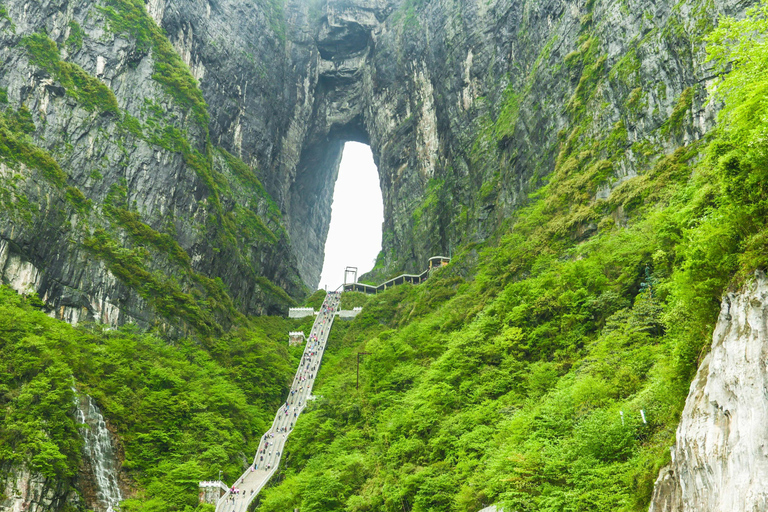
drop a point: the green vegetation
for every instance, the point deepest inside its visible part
(225, 176)
(275, 12)
(90, 93)
(524, 386)
(507, 119)
(351, 300)
(4, 16)
(130, 266)
(183, 409)
(271, 288)
(592, 67)
(181, 413)
(248, 179)
(252, 227)
(315, 300)
(516, 375)
(429, 203)
(204, 307)
(130, 17)
(737, 154)
(74, 41)
(681, 112)
(16, 148)
(114, 207)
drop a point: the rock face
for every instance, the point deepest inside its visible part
(467, 104)
(116, 205)
(27, 492)
(720, 461)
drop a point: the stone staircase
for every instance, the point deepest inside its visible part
(272, 444)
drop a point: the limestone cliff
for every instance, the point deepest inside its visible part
(25, 491)
(116, 206)
(719, 461)
(468, 105)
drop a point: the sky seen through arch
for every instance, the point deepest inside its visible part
(357, 215)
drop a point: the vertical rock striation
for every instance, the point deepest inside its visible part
(116, 205)
(468, 105)
(720, 457)
(25, 491)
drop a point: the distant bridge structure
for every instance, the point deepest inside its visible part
(434, 263)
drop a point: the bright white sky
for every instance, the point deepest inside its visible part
(357, 215)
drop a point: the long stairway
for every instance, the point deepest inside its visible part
(273, 442)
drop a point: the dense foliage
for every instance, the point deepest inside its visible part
(182, 411)
(542, 370)
(554, 380)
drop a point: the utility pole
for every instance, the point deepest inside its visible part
(358, 366)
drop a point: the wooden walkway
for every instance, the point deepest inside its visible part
(272, 443)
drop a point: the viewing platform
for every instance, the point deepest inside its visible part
(348, 314)
(300, 312)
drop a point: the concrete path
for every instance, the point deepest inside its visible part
(272, 443)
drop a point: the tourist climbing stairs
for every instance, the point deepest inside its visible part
(272, 444)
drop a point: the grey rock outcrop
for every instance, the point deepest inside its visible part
(28, 492)
(720, 460)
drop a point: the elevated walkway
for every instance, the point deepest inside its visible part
(434, 263)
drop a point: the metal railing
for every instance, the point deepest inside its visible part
(401, 279)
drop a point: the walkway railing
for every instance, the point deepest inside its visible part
(272, 444)
(434, 263)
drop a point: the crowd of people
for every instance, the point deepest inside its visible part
(272, 443)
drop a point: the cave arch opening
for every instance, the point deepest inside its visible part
(357, 216)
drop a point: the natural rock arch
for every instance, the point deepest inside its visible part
(426, 84)
(335, 84)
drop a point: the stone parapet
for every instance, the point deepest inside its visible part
(211, 491)
(296, 338)
(300, 312)
(348, 314)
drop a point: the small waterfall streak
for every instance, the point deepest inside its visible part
(100, 451)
